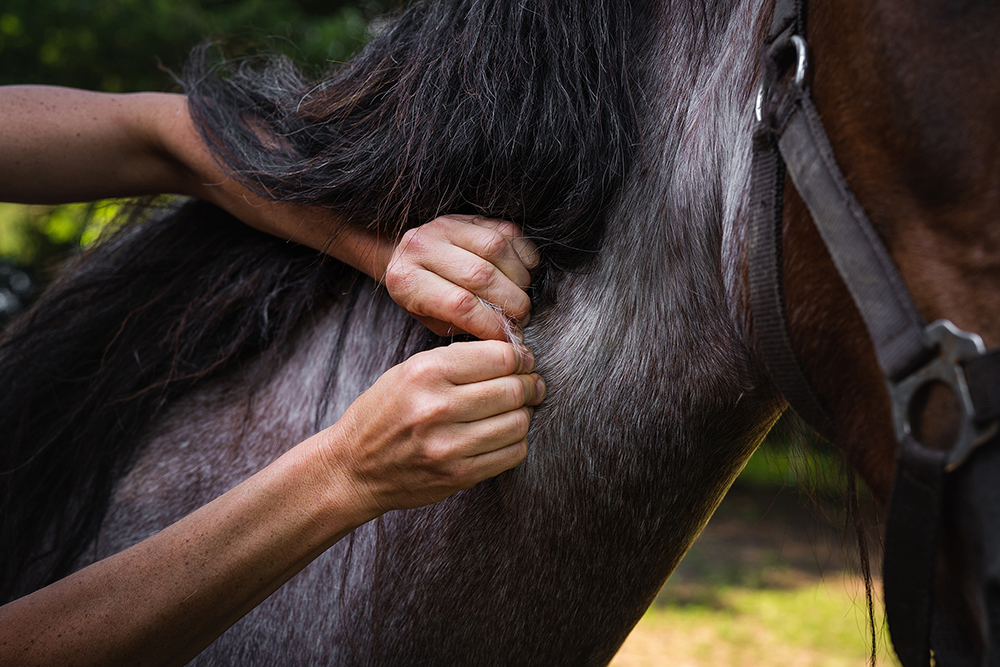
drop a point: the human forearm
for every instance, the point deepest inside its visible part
(171, 595)
(441, 421)
(60, 145)
(318, 228)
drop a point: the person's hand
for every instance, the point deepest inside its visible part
(464, 274)
(440, 422)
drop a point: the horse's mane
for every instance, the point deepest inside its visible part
(508, 109)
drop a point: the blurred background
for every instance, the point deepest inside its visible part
(133, 45)
(774, 578)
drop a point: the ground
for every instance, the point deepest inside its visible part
(772, 581)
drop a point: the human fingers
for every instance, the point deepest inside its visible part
(433, 299)
(499, 241)
(492, 463)
(482, 400)
(469, 362)
(487, 259)
(495, 432)
(446, 329)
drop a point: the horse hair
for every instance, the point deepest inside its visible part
(515, 110)
(525, 111)
(521, 111)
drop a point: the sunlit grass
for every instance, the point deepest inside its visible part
(772, 581)
(823, 624)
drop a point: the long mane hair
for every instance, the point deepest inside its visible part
(522, 111)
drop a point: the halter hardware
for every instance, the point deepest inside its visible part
(801, 67)
(955, 347)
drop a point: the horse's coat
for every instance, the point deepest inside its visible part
(907, 93)
(655, 398)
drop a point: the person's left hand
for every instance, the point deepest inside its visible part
(464, 274)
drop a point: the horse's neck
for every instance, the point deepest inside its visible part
(668, 289)
(653, 408)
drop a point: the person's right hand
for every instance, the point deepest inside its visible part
(441, 421)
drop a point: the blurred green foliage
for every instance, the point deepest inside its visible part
(793, 457)
(122, 45)
(131, 45)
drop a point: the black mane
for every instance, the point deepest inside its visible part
(521, 111)
(517, 110)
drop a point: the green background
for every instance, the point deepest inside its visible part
(132, 45)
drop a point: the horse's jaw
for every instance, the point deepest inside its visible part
(908, 97)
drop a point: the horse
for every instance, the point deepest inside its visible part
(914, 149)
(185, 352)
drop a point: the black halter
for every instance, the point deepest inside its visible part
(790, 135)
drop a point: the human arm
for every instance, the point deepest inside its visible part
(441, 421)
(62, 145)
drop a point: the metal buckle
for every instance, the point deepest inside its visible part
(801, 66)
(955, 347)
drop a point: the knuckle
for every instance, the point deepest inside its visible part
(508, 229)
(456, 476)
(414, 242)
(399, 277)
(440, 221)
(410, 236)
(421, 369)
(493, 245)
(437, 455)
(430, 411)
(519, 305)
(463, 303)
(479, 275)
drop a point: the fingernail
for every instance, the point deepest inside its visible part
(528, 359)
(540, 385)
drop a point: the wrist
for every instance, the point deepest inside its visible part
(339, 499)
(197, 174)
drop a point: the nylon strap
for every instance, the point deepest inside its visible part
(911, 540)
(894, 325)
(981, 373)
(767, 299)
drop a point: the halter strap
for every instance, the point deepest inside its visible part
(894, 325)
(767, 299)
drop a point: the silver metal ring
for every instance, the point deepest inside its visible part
(801, 59)
(955, 347)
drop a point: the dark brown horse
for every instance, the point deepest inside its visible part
(618, 135)
(905, 93)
